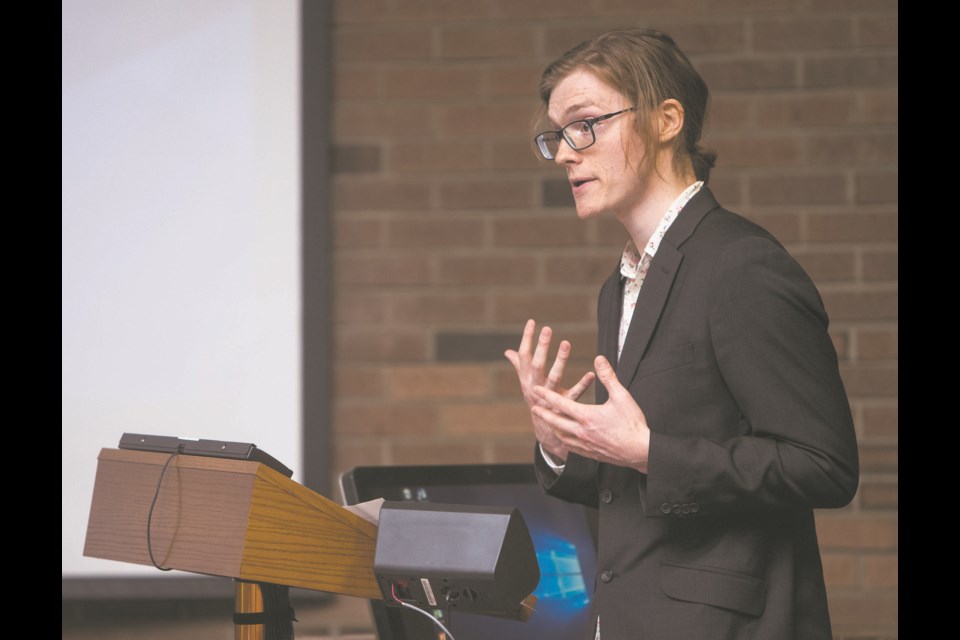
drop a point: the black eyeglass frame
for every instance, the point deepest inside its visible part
(561, 134)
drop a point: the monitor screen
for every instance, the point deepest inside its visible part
(564, 536)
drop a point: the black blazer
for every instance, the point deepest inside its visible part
(728, 356)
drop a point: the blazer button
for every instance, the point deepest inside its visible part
(685, 509)
(665, 507)
(606, 496)
(676, 509)
(607, 575)
(694, 507)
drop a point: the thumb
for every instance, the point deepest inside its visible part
(606, 375)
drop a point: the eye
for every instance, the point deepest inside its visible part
(581, 127)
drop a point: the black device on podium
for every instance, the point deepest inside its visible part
(563, 536)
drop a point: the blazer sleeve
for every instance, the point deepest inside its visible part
(577, 483)
(797, 446)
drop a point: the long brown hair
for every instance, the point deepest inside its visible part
(647, 67)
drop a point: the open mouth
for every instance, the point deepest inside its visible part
(578, 183)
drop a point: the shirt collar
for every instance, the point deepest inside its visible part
(630, 260)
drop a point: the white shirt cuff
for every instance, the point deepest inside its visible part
(551, 462)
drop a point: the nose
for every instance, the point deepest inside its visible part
(566, 154)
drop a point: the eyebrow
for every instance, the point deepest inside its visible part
(572, 108)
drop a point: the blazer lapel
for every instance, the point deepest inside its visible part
(656, 286)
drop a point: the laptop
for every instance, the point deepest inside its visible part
(564, 536)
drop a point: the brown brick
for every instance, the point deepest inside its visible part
(879, 495)
(881, 421)
(355, 82)
(518, 80)
(847, 5)
(840, 570)
(879, 458)
(354, 381)
(441, 156)
(537, 9)
(591, 269)
(850, 71)
(356, 234)
(881, 571)
(870, 533)
(379, 119)
(486, 194)
(877, 344)
(435, 10)
(728, 189)
(556, 193)
(610, 233)
(881, 265)
(379, 194)
(515, 451)
(357, 454)
(365, 308)
(505, 380)
(878, 30)
(431, 82)
(544, 231)
(881, 107)
(852, 149)
(472, 346)
(558, 39)
(728, 112)
(488, 269)
(435, 232)
(546, 307)
(382, 269)
(827, 266)
(852, 227)
(880, 187)
(377, 346)
(357, 11)
(515, 154)
(802, 33)
(380, 45)
(384, 419)
(486, 42)
(437, 452)
(809, 108)
(798, 188)
(869, 611)
(478, 419)
(870, 382)
(446, 308)
(642, 8)
(746, 150)
(438, 382)
(500, 119)
(742, 75)
(751, 5)
(707, 36)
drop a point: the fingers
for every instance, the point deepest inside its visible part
(556, 371)
(526, 341)
(606, 375)
(539, 361)
(582, 385)
(557, 403)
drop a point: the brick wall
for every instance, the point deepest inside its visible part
(449, 233)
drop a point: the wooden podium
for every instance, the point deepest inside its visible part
(232, 518)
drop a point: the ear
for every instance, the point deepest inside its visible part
(670, 118)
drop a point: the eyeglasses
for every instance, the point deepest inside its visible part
(579, 135)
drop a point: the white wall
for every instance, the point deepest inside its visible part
(180, 234)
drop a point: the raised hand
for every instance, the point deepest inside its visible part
(531, 366)
(615, 431)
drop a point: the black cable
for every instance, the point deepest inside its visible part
(152, 505)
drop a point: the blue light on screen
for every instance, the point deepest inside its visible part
(562, 588)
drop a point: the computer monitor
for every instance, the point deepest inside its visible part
(564, 536)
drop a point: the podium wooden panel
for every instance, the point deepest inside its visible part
(231, 518)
